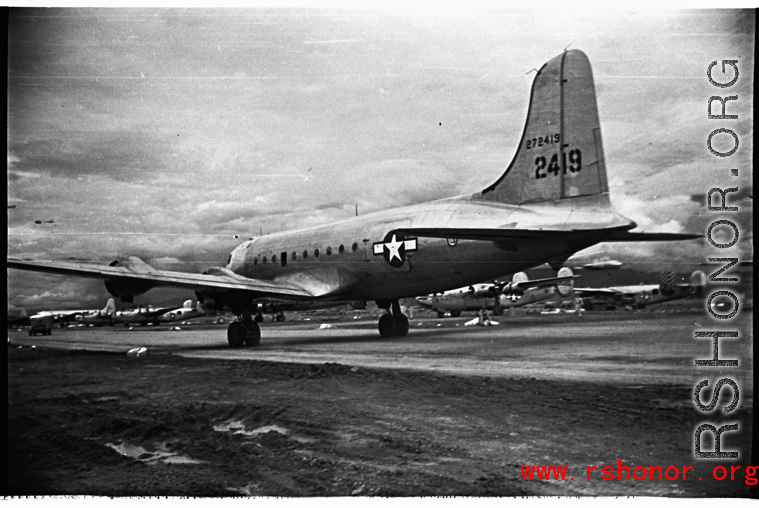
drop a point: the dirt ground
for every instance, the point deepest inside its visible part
(104, 424)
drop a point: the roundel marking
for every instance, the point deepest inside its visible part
(394, 248)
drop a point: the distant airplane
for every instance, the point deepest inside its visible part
(499, 296)
(61, 317)
(142, 315)
(99, 317)
(277, 310)
(551, 202)
(187, 311)
(643, 295)
(51, 221)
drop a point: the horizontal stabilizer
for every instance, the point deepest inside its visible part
(626, 236)
(485, 234)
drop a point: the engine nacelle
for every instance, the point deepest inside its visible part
(126, 289)
(489, 292)
(513, 288)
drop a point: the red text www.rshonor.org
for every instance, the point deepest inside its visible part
(621, 472)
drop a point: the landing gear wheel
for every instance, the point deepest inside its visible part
(253, 335)
(441, 315)
(401, 325)
(455, 313)
(387, 325)
(280, 318)
(236, 334)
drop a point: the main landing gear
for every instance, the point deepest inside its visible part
(244, 332)
(395, 324)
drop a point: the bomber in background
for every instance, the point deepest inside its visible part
(496, 297)
(642, 295)
(99, 317)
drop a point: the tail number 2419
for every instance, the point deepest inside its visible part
(543, 167)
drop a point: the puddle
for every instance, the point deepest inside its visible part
(143, 455)
(238, 427)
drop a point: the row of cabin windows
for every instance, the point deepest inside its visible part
(294, 255)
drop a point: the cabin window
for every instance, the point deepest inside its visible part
(255, 261)
(264, 259)
(341, 249)
(329, 251)
(274, 258)
(283, 258)
(316, 253)
(354, 247)
(294, 256)
(305, 254)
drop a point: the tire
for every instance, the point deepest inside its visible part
(252, 335)
(280, 318)
(258, 318)
(440, 314)
(236, 334)
(386, 325)
(401, 326)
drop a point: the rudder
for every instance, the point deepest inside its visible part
(560, 154)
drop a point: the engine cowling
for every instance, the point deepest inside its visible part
(126, 289)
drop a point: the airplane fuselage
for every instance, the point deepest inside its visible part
(345, 260)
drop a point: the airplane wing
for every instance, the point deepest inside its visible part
(505, 234)
(219, 279)
(597, 291)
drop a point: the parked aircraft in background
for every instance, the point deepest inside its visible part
(99, 317)
(142, 315)
(277, 310)
(60, 317)
(642, 295)
(183, 313)
(499, 296)
(551, 202)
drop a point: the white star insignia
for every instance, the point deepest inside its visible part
(393, 247)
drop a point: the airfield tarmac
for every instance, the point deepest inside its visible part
(336, 410)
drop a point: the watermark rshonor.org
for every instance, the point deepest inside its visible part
(722, 142)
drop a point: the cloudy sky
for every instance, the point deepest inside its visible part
(173, 133)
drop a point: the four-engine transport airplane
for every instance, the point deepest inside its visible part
(499, 296)
(99, 317)
(143, 315)
(644, 294)
(552, 201)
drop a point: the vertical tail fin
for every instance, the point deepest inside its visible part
(110, 307)
(560, 154)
